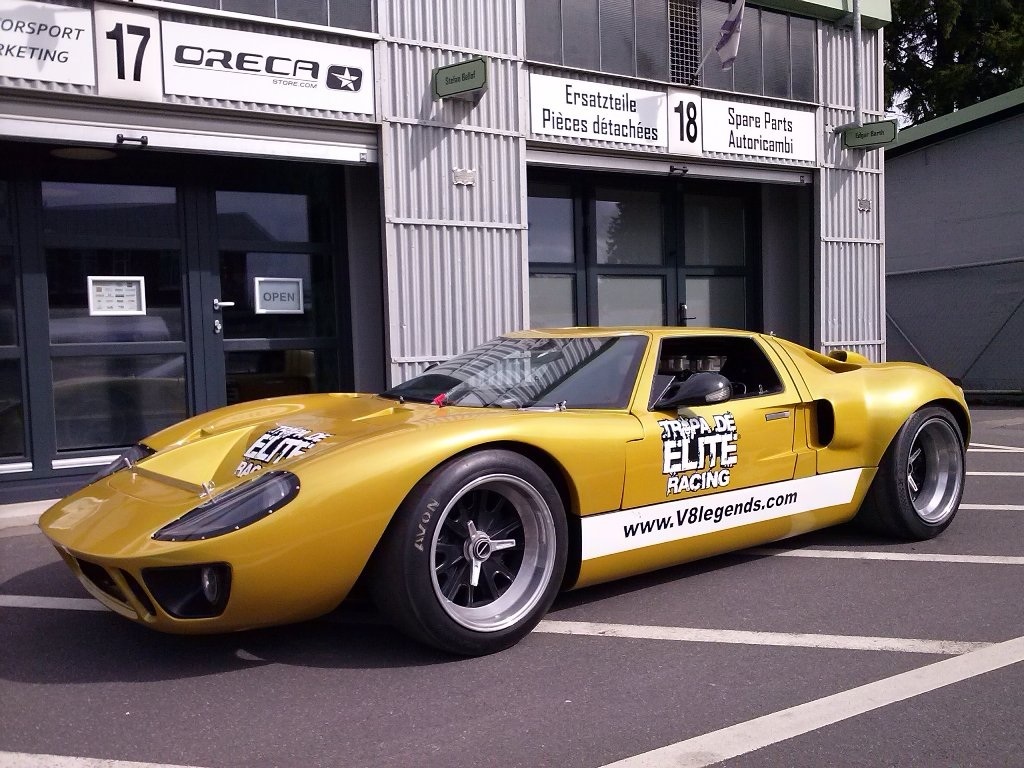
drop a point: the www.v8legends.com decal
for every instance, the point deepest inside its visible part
(698, 454)
(275, 444)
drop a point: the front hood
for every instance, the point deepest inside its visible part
(211, 453)
(223, 446)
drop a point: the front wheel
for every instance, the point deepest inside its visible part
(920, 479)
(475, 555)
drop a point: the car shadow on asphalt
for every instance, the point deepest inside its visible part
(848, 535)
(54, 646)
(59, 646)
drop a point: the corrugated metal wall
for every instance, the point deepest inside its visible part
(456, 251)
(851, 200)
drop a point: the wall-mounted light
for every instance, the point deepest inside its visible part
(142, 141)
(678, 170)
(83, 153)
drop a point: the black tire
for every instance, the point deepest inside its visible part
(474, 556)
(920, 480)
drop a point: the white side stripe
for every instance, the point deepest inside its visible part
(739, 739)
(743, 637)
(996, 474)
(680, 518)
(920, 557)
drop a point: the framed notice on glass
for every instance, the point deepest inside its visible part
(117, 295)
(278, 295)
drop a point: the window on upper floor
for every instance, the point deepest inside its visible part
(667, 41)
(344, 14)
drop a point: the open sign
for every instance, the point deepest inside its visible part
(278, 295)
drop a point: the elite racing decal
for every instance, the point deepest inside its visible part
(274, 445)
(629, 529)
(698, 454)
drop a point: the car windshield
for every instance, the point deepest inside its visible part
(584, 372)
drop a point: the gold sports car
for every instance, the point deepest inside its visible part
(465, 498)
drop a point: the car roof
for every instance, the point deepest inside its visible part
(655, 332)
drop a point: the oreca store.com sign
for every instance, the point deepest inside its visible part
(247, 66)
(577, 109)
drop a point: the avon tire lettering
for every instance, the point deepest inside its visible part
(421, 527)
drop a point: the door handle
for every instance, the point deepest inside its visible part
(218, 304)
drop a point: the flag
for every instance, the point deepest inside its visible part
(729, 38)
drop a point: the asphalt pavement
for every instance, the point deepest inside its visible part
(834, 648)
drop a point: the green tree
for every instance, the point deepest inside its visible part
(943, 55)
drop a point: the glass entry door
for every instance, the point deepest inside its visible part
(269, 297)
(116, 311)
(156, 287)
(611, 251)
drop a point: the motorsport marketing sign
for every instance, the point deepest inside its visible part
(578, 109)
(51, 43)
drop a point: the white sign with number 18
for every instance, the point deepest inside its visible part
(685, 123)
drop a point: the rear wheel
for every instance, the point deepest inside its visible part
(920, 479)
(475, 555)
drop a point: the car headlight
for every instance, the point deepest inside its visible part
(234, 509)
(127, 459)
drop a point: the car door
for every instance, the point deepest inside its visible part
(705, 478)
(745, 442)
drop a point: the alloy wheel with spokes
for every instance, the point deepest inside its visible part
(934, 470)
(920, 479)
(493, 552)
(475, 555)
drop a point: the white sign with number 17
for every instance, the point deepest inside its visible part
(128, 53)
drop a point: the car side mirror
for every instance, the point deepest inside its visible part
(703, 388)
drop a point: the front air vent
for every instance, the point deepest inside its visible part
(139, 592)
(99, 577)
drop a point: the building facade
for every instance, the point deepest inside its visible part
(211, 202)
(955, 268)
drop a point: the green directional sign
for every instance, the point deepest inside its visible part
(870, 134)
(465, 80)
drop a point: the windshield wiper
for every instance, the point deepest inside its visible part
(537, 406)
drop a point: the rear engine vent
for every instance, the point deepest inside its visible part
(824, 422)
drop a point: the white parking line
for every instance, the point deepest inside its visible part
(53, 603)
(743, 637)
(26, 760)
(684, 634)
(996, 474)
(742, 738)
(989, 448)
(996, 507)
(856, 554)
